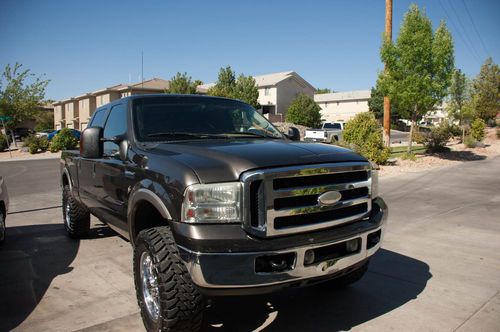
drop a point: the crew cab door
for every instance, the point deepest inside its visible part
(88, 186)
(112, 180)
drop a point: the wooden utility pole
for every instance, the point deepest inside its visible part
(387, 102)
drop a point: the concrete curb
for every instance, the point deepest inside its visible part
(57, 156)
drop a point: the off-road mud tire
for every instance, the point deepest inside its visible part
(76, 217)
(180, 303)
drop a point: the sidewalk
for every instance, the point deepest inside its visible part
(18, 155)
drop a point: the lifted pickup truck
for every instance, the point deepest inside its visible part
(328, 133)
(216, 201)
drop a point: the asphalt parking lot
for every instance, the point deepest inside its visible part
(439, 269)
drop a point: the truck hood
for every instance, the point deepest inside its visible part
(219, 161)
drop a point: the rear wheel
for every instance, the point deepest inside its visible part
(76, 216)
(167, 297)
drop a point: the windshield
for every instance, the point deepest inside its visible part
(332, 126)
(175, 118)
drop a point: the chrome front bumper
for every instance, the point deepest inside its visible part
(238, 270)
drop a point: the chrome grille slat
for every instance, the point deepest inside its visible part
(299, 210)
(280, 193)
(289, 182)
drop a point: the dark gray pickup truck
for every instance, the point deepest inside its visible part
(216, 201)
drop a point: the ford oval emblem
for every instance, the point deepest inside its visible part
(329, 198)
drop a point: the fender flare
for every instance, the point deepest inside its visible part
(65, 173)
(149, 196)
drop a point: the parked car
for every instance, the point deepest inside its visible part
(22, 133)
(43, 133)
(328, 133)
(4, 207)
(74, 132)
(216, 201)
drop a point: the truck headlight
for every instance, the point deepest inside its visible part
(374, 176)
(212, 203)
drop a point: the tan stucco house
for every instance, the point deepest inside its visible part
(342, 106)
(276, 92)
(76, 112)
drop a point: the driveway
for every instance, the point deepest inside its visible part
(439, 269)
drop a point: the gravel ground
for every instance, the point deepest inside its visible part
(459, 153)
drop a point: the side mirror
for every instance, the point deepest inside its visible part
(293, 134)
(122, 143)
(91, 144)
(124, 150)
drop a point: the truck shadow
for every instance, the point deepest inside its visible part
(31, 257)
(392, 280)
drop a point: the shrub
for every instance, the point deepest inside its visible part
(364, 135)
(35, 144)
(419, 137)
(63, 140)
(409, 156)
(470, 142)
(43, 144)
(304, 111)
(437, 139)
(4, 143)
(477, 129)
(453, 129)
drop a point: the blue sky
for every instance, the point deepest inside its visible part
(83, 46)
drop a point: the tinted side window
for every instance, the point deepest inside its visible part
(115, 125)
(98, 119)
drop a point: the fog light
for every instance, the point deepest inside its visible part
(352, 245)
(309, 257)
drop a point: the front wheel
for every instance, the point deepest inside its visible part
(167, 297)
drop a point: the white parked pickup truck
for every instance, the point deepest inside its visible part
(329, 133)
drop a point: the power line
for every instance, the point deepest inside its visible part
(469, 48)
(475, 29)
(464, 29)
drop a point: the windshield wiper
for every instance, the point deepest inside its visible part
(185, 134)
(250, 133)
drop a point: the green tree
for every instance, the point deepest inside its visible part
(44, 120)
(418, 66)
(244, 88)
(21, 93)
(376, 104)
(486, 91)
(304, 111)
(459, 106)
(225, 85)
(181, 83)
(477, 129)
(320, 91)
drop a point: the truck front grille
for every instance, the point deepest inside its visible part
(285, 200)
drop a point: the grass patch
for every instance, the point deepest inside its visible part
(399, 151)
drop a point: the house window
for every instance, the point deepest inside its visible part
(267, 92)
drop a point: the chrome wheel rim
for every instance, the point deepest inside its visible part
(150, 291)
(67, 217)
